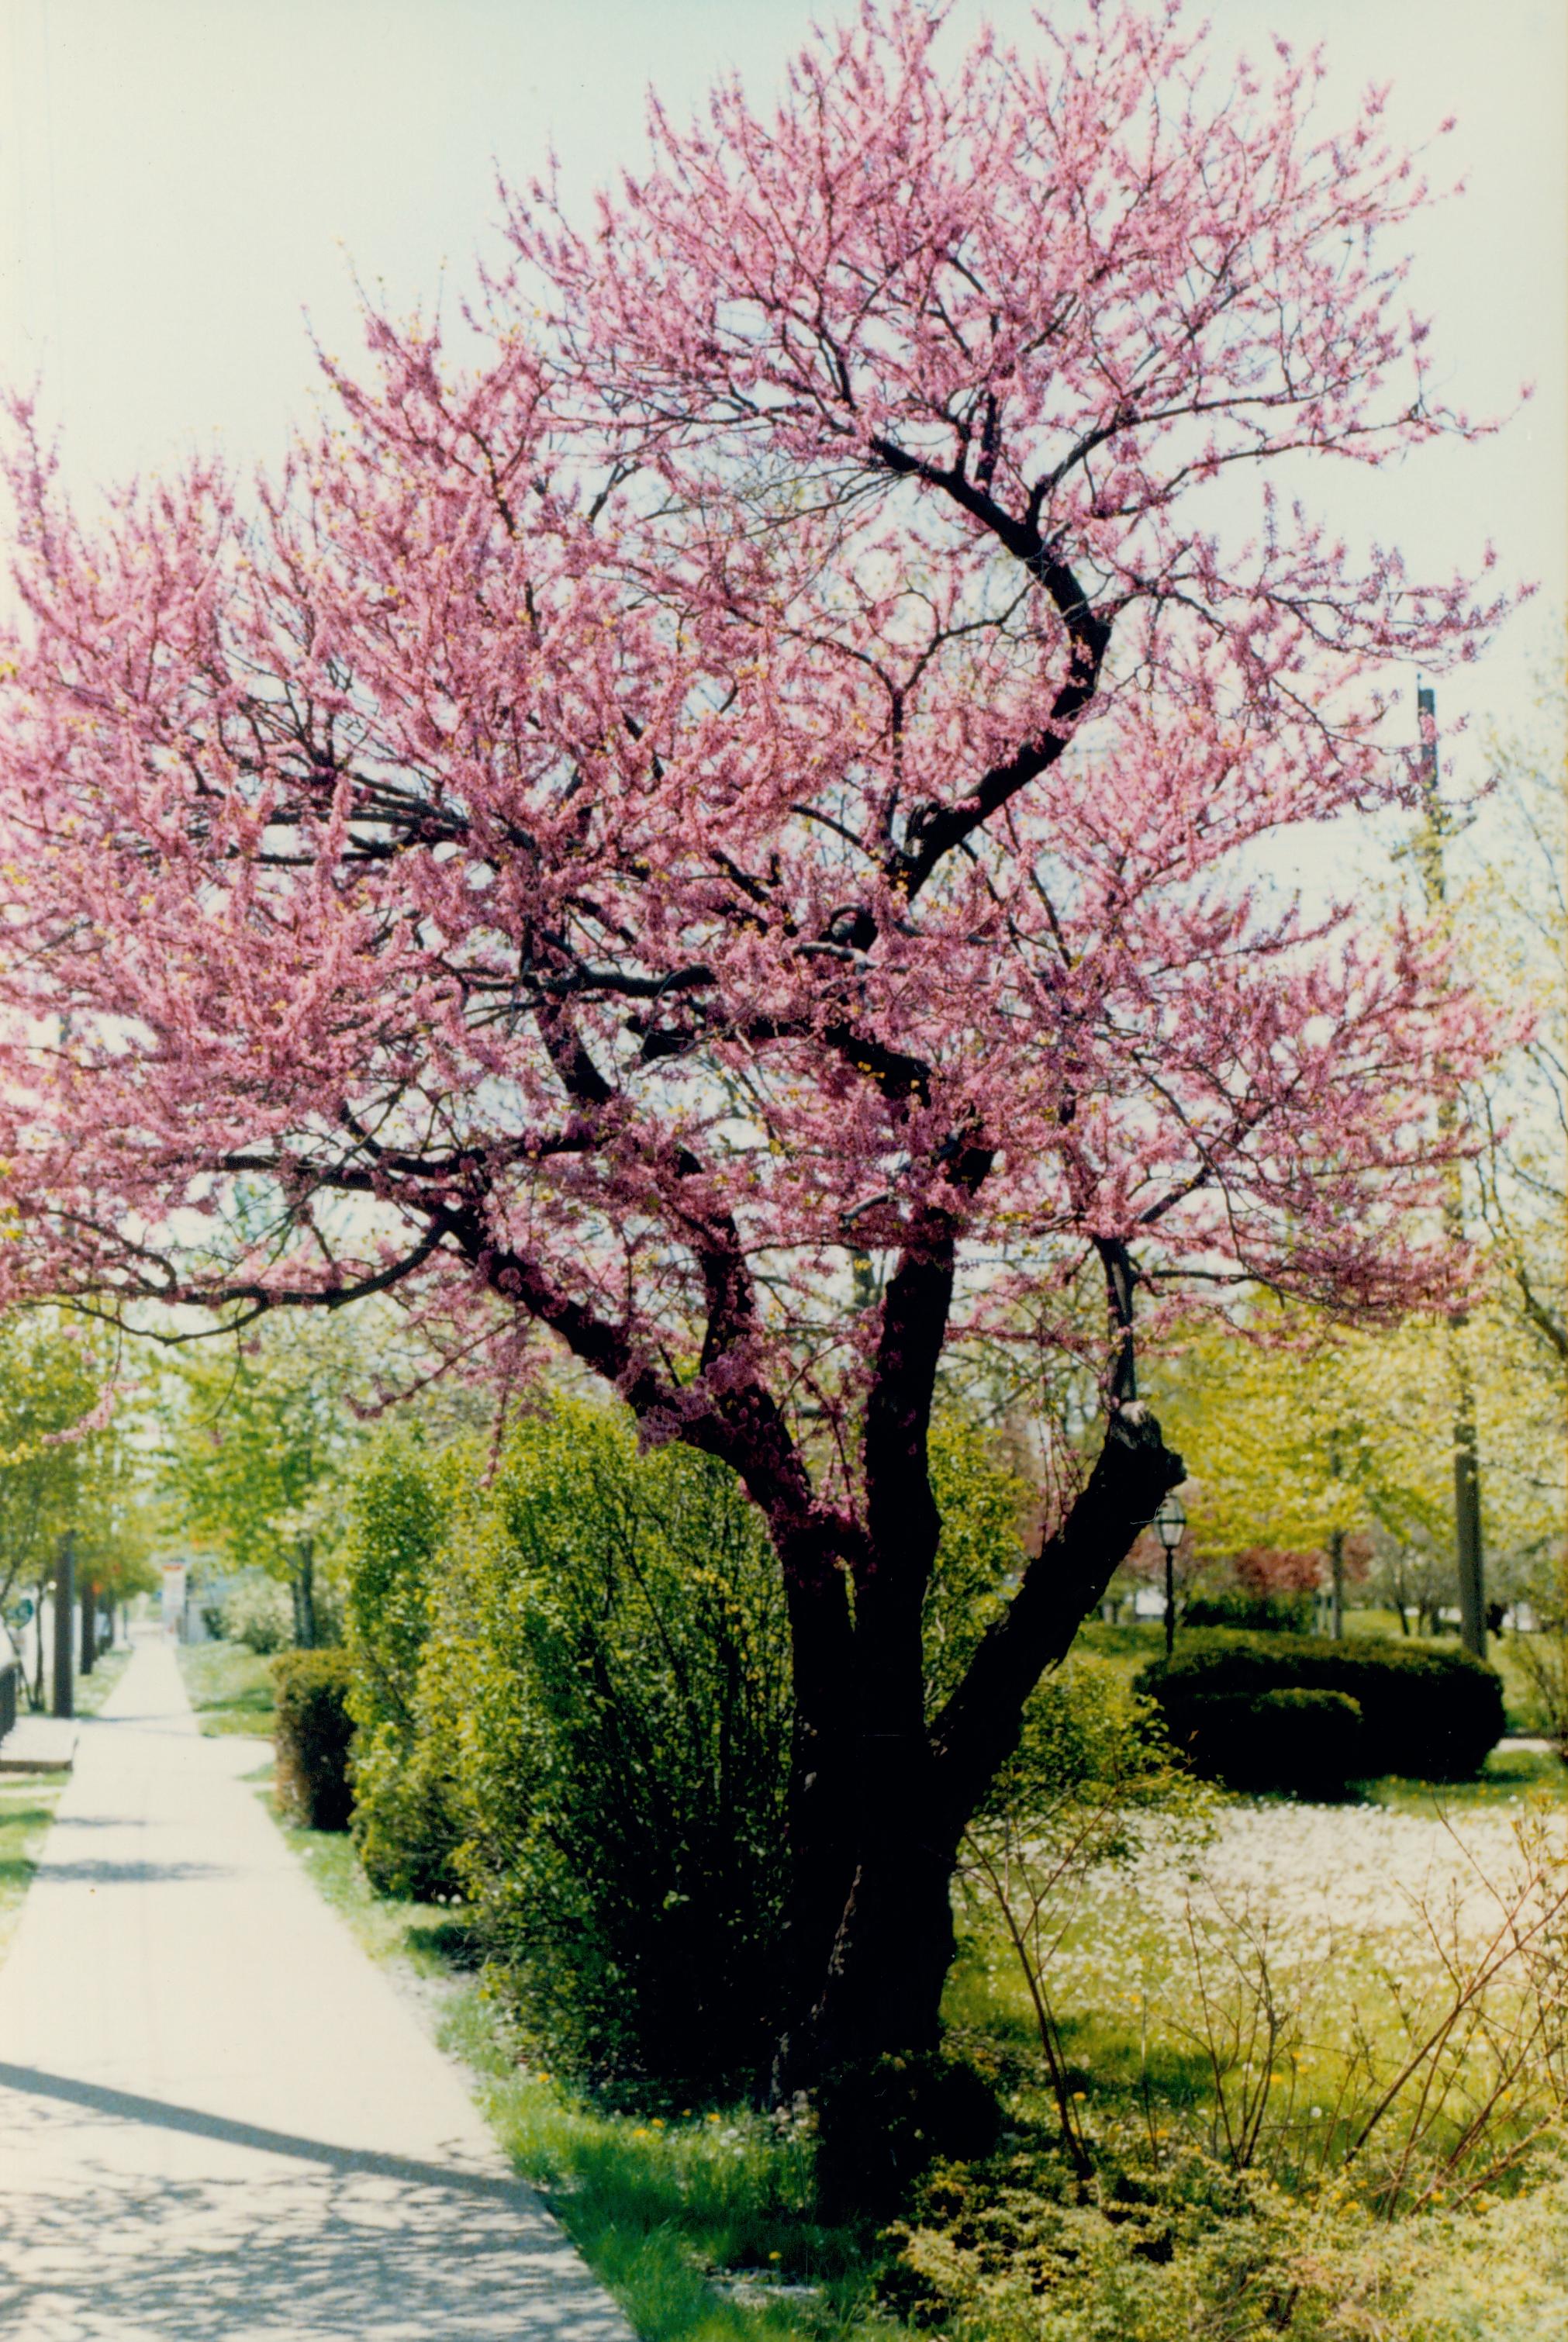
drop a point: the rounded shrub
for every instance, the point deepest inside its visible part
(312, 1735)
(1308, 1742)
(612, 1659)
(1432, 1713)
(256, 1611)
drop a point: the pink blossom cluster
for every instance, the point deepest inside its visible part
(773, 763)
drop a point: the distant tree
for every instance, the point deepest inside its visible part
(72, 1460)
(1301, 1434)
(52, 1376)
(118, 1519)
(259, 1433)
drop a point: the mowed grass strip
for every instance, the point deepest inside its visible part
(27, 1802)
(92, 1690)
(229, 1687)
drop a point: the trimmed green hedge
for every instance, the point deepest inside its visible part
(312, 1735)
(1429, 1713)
(1251, 1614)
(1308, 1742)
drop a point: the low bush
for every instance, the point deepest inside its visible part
(256, 1611)
(883, 2121)
(571, 1685)
(259, 1611)
(1093, 1751)
(1023, 2250)
(1308, 1742)
(312, 1733)
(1428, 1713)
(1253, 1614)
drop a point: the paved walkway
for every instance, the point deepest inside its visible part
(216, 2116)
(39, 1744)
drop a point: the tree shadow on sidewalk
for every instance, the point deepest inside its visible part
(313, 2242)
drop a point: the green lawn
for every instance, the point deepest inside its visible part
(700, 2219)
(1509, 1776)
(26, 1808)
(701, 2225)
(230, 1687)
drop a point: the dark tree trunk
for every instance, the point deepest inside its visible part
(37, 1694)
(64, 1702)
(907, 1791)
(879, 1799)
(89, 1628)
(303, 1587)
(893, 1943)
(822, 1844)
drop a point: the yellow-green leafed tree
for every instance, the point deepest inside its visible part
(1297, 1435)
(258, 1430)
(117, 1518)
(52, 1380)
(70, 1461)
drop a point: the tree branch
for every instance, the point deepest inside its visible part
(978, 1728)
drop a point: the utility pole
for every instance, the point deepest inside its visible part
(1467, 1548)
(1336, 1584)
(89, 1606)
(65, 1621)
(1335, 1555)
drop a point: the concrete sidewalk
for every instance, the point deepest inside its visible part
(216, 2117)
(40, 1744)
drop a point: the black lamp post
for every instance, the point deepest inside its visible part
(1169, 1523)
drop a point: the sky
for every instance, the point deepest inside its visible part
(183, 182)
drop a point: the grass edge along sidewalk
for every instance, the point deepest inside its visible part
(27, 1802)
(697, 2223)
(229, 1687)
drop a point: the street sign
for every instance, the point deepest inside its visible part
(20, 1612)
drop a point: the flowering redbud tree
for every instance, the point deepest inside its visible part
(736, 826)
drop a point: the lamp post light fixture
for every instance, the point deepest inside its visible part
(1170, 1522)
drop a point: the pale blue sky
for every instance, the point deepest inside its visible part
(181, 179)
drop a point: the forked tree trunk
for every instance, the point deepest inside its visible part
(875, 1831)
(879, 1798)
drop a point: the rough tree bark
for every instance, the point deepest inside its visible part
(904, 1790)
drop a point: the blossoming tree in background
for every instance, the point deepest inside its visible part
(732, 830)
